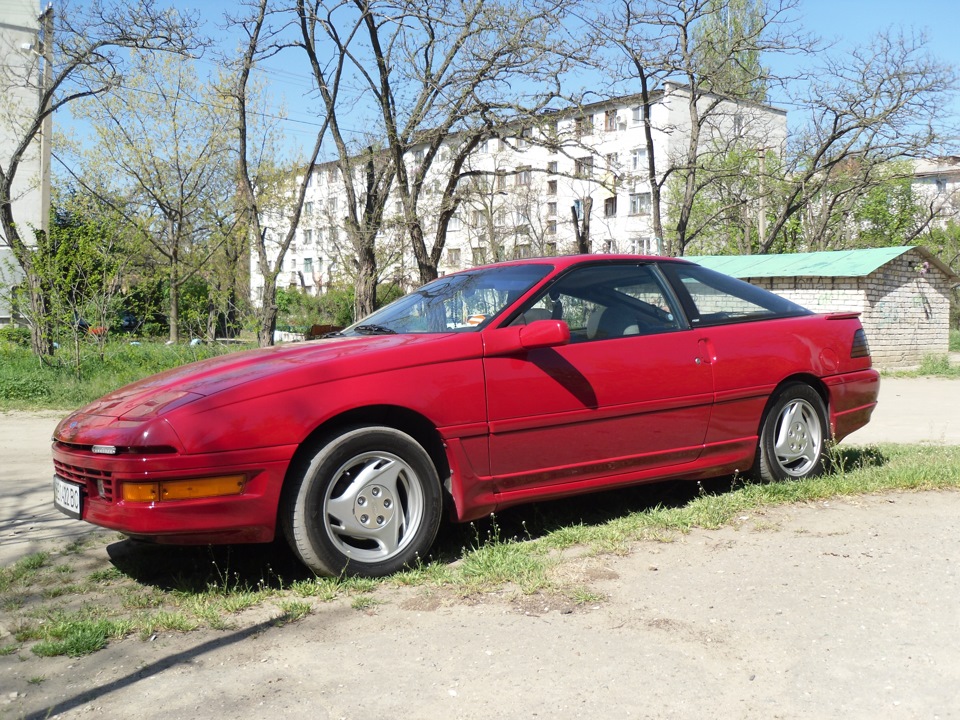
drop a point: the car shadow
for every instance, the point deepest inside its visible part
(274, 566)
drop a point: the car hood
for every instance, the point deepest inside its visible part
(269, 370)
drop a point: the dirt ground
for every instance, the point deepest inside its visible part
(843, 608)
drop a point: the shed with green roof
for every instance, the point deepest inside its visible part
(902, 293)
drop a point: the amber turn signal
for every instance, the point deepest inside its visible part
(183, 489)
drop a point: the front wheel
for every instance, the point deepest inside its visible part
(793, 435)
(368, 504)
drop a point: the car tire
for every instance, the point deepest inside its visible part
(793, 435)
(367, 504)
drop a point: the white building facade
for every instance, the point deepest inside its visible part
(937, 183)
(523, 191)
(20, 78)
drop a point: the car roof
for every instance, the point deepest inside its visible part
(561, 262)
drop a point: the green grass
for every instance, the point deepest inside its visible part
(523, 551)
(28, 384)
(930, 366)
(955, 341)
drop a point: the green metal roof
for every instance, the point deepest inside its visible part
(839, 263)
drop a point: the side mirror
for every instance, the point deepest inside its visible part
(518, 338)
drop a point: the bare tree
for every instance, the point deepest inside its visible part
(438, 73)
(84, 59)
(265, 188)
(881, 102)
(709, 51)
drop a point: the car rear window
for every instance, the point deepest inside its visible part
(712, 298)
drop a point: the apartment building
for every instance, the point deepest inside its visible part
(936, 182)
(20, 77)
(528, 189)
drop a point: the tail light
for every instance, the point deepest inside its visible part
(861, 348)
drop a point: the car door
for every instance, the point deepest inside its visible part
(630, 391)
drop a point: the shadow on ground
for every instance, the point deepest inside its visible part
(274, 566)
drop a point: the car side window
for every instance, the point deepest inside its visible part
(600, 302)
(715, 299)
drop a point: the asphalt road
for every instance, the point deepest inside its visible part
(911, 410)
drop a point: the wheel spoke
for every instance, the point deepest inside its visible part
(369, 508)
(798, 438)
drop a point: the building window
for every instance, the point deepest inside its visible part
(583, 125)
(640, 204)
(523, 140)
(583, 167)
(638, 159)
(308, 207)
(331, 173)
(307, 236)
(612, 160)
(453, 257)
(501, 181)
(552, 166)
(941, 185)
(578, 209)
(551, 208)
(610, 207)
(636, 114)
(479, 256)
(523, 176)
(610, 121)
(551, 187)
(454, 223)
(738, 125)
(332, 205)
(550, 248)
(644, 245)
(551, 227)
(308, 266)
(523, 251)
(476, 218)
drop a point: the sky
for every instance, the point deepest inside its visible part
(843, 22)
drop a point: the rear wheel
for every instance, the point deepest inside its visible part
(367, 504)
(793, 436)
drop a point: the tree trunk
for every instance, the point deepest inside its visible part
(365, 293)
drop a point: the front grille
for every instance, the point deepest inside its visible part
(97, 482)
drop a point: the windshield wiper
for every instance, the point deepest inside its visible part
(374, 330)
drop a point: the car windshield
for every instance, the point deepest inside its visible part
(463, 302)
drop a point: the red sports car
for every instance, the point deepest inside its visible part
(500, 385)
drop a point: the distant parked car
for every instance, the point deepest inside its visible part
(129, 323)
(495, 386)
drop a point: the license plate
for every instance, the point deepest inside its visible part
(66, 497)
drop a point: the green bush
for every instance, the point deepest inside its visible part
(16, 335)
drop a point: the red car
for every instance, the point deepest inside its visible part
(500, 385)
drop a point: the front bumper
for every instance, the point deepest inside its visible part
(245, 518)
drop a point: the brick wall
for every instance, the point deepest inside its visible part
(908, 311)
(905, 306)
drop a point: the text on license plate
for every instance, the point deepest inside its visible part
(66, 497)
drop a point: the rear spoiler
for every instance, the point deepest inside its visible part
(843, 315)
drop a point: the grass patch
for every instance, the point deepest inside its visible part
(28, 384)
(293, 610)
(78, 637)
(954, 341)
(931, 365)
(150, 590)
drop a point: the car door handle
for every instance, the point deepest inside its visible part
(707, 354)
